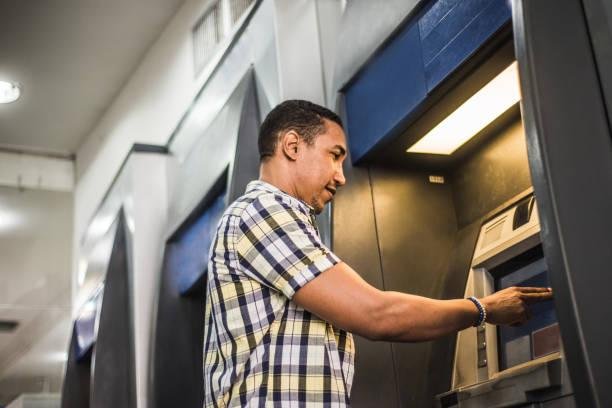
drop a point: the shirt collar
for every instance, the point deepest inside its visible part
(264, 186)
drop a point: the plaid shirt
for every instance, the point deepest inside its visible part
(260, 348)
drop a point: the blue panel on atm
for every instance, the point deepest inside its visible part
(459, 34)
(437, 34)
(188, 254)
(391, 86)
(437, 12)
(539, 336)
(84, 326)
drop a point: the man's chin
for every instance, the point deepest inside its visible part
(319, 206)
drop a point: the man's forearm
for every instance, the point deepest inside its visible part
(411, 318)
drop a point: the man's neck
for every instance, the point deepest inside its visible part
(272, 174)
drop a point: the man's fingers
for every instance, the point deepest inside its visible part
(536, 297)
(527, 289)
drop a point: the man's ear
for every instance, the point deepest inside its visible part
(289, 142)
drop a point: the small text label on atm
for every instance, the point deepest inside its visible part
(436, 179)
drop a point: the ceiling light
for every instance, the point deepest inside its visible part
(9, 221)
(475, 114)
(9, 91)
(57, 357)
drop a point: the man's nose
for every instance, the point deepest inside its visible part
(339, 177)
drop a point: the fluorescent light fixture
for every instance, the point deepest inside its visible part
(475, 114)
(57, 357)
(9, 91)
(82, 271)
(9, 221)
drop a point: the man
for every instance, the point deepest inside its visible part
(280, 305)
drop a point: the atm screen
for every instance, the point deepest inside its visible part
(540, 335)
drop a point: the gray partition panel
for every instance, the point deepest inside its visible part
(416, 227)
(245, 165)
(599, 16)
(570, 154)
(356, 243)
(440, 366)
(176, 368)
(113, 382)
(75, 390)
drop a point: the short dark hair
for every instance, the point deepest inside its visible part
(305, 118)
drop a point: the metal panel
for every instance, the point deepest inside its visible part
(75, 389)
(177, 378)
(438, 33)
(463, 30)
(452, 287)
(497, 171)
(208, 158)
(176, 375)
(188, 252)
(389, 88)
(416, 227)
(85, 325)
(570, 155)
(599, 16)
(245, 163)
(113, 381)
(356, 44)
(356, 243)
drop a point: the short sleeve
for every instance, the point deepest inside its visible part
(279, 247)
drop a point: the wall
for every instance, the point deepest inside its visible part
(146, 110)
(35, 249)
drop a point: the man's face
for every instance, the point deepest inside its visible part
(319, 166)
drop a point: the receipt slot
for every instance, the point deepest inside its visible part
(507, 366)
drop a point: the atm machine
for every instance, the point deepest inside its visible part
(507, 366)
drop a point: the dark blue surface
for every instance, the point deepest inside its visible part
(392, 85)
(543, 314)
(84, 326)
(464, 29)
(436, 42)
(444, 31)
(188, 254)
(436, 13)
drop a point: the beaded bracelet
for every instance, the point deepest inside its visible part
(482, 312)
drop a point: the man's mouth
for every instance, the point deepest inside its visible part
(331, 190)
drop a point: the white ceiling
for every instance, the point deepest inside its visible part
(72, 57)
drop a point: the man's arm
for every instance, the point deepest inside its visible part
(340, 296)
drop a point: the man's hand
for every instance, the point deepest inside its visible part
(511, 305)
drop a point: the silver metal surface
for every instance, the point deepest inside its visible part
(208, 158)
(140, 190)
(365, 26)
(561, 100)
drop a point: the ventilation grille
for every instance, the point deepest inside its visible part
(238, 7)
(206, 35)
(8, 326)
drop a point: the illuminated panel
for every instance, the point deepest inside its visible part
(490, 102)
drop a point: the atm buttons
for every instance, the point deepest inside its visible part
(482, 346)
